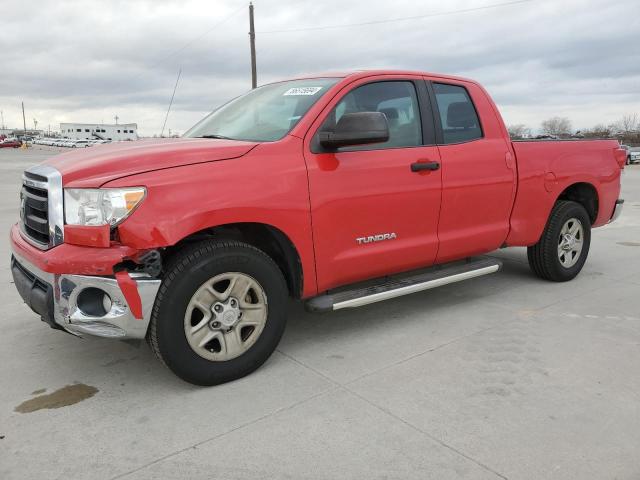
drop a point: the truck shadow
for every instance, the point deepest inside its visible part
(452, 310)
(466, 306)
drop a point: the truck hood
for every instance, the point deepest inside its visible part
(94, 166)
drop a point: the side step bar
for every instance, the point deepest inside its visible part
(397, 286)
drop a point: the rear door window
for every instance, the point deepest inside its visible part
(458, 116)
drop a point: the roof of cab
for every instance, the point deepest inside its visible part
(375, 72)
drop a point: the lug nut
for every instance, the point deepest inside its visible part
(218, 308)
(215, 324)
(233, 302)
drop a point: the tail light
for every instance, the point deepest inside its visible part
(620, 155)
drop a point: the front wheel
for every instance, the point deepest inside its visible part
(562, 250)
(219, 313)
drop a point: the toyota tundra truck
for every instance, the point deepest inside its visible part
(338, 190)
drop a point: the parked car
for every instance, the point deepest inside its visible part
(82, 144)
(304, 188)
(633, 156)
(10, 143)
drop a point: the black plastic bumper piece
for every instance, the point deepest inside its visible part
(35, 292)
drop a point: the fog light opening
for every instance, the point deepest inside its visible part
(94, 302)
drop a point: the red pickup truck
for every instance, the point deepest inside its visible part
(340, 190)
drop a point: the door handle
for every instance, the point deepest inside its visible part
(419, 166)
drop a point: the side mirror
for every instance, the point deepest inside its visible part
(357, 128)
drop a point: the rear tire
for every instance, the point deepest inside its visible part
(562, 250)
(208, 345)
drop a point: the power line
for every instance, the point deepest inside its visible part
(400, 19)
(192, 41)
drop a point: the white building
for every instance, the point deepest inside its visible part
(99, 131)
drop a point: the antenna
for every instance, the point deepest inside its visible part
(170, 103)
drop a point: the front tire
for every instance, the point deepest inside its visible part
(562, 250)
(219, 313)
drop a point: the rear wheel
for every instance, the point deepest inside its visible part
(219, 313)
(562, 250)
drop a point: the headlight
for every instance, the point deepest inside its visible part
(105, 206)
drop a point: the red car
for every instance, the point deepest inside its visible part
(304, 188)
(10, 143)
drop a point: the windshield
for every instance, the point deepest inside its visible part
(265, 114)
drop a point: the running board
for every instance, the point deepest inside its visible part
(397, 286)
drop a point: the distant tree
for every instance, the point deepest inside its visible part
(599, 131)
(627, 129)
(628, 124)
(557, 127)
(519, 130)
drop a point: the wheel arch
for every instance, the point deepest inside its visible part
(271, 240)
(585, 194)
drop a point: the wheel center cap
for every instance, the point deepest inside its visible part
(569, 241)
(229, 318)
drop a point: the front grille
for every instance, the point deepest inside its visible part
(42, 207)
(35, 213)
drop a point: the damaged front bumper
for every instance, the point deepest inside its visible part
(111, 306)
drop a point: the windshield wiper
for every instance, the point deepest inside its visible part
(220, 137)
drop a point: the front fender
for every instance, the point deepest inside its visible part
(268, 187)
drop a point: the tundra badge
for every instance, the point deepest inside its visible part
(376, 238)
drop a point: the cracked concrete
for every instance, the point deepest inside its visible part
(505, 376)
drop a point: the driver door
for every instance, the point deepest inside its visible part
(373, 215)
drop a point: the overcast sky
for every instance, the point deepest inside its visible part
(87, 61)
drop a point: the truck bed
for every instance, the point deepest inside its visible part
(547, 168)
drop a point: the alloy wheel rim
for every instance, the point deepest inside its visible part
(225, 316)
(570, 242)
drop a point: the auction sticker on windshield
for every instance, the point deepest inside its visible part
(302, 91)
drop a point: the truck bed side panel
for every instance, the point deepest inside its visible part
(546, 169)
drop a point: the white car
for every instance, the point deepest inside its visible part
(82, 144)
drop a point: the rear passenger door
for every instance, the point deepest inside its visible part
(478, 173)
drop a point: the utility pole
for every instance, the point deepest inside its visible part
(2, 115)
(35, 124)
(116, 119)
(252, 41)
(24, 120)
